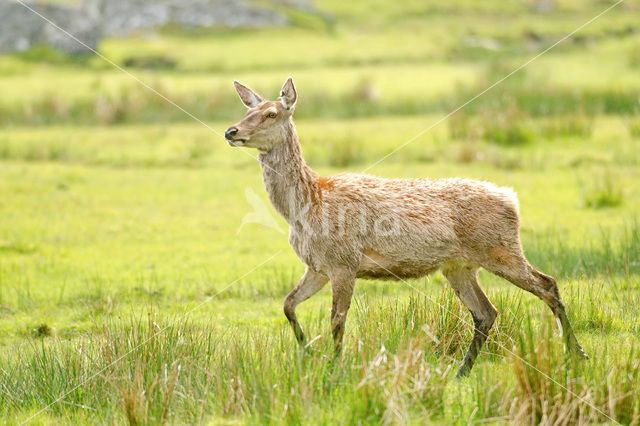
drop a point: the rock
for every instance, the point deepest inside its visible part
(81, 22)
(121, 17)
(20, 27)
(91, 20)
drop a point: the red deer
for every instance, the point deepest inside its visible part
(349, 226)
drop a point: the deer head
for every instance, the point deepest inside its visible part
(267, 123)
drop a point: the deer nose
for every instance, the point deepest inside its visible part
(230, 133)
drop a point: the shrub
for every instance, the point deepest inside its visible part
(605, 191)
(634, 128)
(511, 127)
(507, 126)
(634, 55)
(463, 127)
(364, 91)
(468, 153)
(47, 54)
(578, 124)
(399, 383)
(342, 151)
(553, 387)
(151, 62)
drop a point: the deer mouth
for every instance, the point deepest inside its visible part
(237, 142)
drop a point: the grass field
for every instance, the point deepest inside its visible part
(128, 293)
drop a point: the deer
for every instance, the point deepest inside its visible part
(354, 226)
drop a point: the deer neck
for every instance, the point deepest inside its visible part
(291, 185)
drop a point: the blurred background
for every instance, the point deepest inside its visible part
(114, 202)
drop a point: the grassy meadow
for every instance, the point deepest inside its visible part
(128, 293)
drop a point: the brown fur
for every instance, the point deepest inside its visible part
(350, 225)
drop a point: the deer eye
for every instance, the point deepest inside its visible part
(272, 115)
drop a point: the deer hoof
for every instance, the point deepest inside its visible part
(577, 349)
(582, 354)
(463, 371)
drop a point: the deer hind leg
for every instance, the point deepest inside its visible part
(515, 268)
(342, 284)
(464, 281)
(310, 283)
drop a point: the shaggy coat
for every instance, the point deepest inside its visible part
(350, 226)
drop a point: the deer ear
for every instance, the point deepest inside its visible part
(249, 98)
(288, 95)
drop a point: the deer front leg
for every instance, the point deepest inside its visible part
(342, 284)
(310, 283)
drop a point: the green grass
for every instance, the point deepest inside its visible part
(120, 217)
